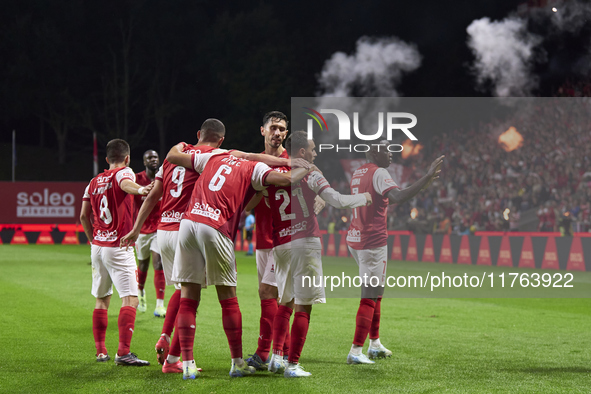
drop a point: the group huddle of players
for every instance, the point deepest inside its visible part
(198, 195)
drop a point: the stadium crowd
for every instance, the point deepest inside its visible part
(484, 187)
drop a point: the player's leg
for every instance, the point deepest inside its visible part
(142, 250)
(218, 252)
(102, 288)
(121, 265)
(159, 279)
(250, 244)
(189, 270)
(167, 241)
(306, 263)
(378, 269)
(268, 296)
(364, 312)
(283, 277)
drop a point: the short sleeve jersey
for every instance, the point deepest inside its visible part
(292, 209)
(224, 187)
(262, 214)
(111, 206)
(368, 229)
(177, 186)
(151, 224)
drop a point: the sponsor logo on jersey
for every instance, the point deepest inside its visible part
(171, 217)
(360, 171)
(105, 235)
(354, 235)
(291, 230)
(45, 204)
(205, 210)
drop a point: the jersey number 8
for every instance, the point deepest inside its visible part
(105, 213)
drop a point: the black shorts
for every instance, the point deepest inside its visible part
(249, 235)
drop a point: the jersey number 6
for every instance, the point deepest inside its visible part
(218, 179)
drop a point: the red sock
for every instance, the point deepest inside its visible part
(299, 330)
(126, 325)
(268, 311)
(280, 328)
(175, 345)
(171, 312)
(159, 284)
(232, 322)
(99, 329)
(374, 331)
(363, 321)
(185, 326)
(141, 278)
(287, 342)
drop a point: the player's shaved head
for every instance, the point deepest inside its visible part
(150, 152)
(277, 115)
(379, 154)
(117, 149)
(212, 130)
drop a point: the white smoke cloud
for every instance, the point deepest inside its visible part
(375, 69)
(504, 52)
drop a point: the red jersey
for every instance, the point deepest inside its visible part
(224, 187)
(111, 206)
(263, 218)
(368, 229)
(151, 224)
(292, 209)
(177, 186)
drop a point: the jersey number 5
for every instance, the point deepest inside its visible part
(218, 179)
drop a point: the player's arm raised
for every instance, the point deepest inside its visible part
(145, 210)
(397, 196)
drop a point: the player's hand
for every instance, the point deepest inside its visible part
(434, 171)
(146, 190)
(314, 168)
(300, 163)
(181, 146)
(319, 205)
(129, 239)
(368, 197)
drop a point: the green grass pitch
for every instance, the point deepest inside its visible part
(440, 345)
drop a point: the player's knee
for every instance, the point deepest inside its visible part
(130, 301)
(267, 292)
